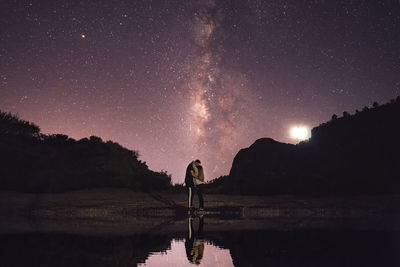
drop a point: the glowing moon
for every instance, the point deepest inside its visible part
(300, 132)
(83, 36)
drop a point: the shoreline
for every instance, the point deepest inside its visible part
(121, 211)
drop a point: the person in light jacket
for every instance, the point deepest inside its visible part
(193, 180)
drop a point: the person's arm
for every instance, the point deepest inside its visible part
(193, 174)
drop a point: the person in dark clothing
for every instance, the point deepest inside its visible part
(194, 242)
(193, 180)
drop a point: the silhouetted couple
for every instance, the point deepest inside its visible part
(194, 179)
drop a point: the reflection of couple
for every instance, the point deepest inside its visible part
(194, 242)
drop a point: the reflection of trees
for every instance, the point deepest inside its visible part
(247, 247)
(75, 250)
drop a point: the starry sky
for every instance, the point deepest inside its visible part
(181, 80)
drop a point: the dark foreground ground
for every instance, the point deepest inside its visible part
(107, 227)
(119, 211)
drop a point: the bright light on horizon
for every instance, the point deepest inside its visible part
(300, 132)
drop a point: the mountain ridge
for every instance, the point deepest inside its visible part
(353, 154)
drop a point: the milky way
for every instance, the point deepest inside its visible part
(217, 96)
(180, 80)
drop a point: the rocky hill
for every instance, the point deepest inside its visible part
(353, 154)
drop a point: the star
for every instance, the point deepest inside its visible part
(202, 79)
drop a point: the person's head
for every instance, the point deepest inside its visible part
(197, 162)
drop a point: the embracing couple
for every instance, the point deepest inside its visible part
(194, 179)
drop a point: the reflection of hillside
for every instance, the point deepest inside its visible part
(58, 249)
(248, 248)
(310, 248)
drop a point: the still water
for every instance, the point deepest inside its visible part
(212, 255)
(203, 242)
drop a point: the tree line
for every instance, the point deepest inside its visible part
(354, 154)
(35, 162)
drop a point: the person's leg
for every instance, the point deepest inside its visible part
(200, 229)
(190, 197)
(200, 195)
(190, 227)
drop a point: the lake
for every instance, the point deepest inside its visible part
(210, 241)
(107, 227)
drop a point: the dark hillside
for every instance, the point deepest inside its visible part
(277, 164)
(34, 162)
(354, 154)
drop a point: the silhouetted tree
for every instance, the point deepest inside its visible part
(334, 117)
(56, 139)
(11, 125)
(95, 139)
(375, 105)
(345, 114)
(34, 162)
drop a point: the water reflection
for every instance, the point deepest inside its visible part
(175, 256)
(191, 250)
(204, 242)
(194, 243)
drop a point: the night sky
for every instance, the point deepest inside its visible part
(180, 80)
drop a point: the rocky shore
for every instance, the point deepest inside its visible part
(120, 211)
